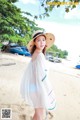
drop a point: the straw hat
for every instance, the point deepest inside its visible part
(50, 38)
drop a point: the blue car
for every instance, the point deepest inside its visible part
(20, 50)
(78, 66)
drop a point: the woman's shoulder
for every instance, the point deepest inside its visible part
(41, 58)
(41, 55)
(38, 57)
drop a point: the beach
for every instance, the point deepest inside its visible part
(65, 81)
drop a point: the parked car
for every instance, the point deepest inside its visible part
(15, 48)
(51, 59)
(57, 60)
(24, 48)
(20, 51)
(77, 66)
(6, 47)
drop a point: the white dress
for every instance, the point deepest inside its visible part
(35, 86)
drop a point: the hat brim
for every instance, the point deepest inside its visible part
(50, 38)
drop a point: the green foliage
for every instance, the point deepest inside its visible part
(0, 45)
(49, 5)
(13, 1)
(57, 52)
(13, 25)
(17, 28)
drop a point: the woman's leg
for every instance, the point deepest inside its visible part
(39, 113)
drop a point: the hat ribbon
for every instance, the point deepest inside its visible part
(37, 34)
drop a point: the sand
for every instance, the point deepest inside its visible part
(65, 81)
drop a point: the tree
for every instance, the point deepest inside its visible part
(49, 5)
(58, 52)
(16, 27)
(13, 25)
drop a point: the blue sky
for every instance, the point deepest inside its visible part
(58, 14)
(65, 26)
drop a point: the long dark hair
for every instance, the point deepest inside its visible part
(34, 48)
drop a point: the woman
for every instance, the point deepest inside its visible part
(35, 86)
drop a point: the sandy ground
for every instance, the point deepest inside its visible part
(65, 81)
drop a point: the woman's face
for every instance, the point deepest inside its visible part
(40, 42)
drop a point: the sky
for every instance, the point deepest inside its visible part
(65, 26)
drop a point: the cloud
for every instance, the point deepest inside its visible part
(73, 14)
(28, 1)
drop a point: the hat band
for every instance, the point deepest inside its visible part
(37, 34)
